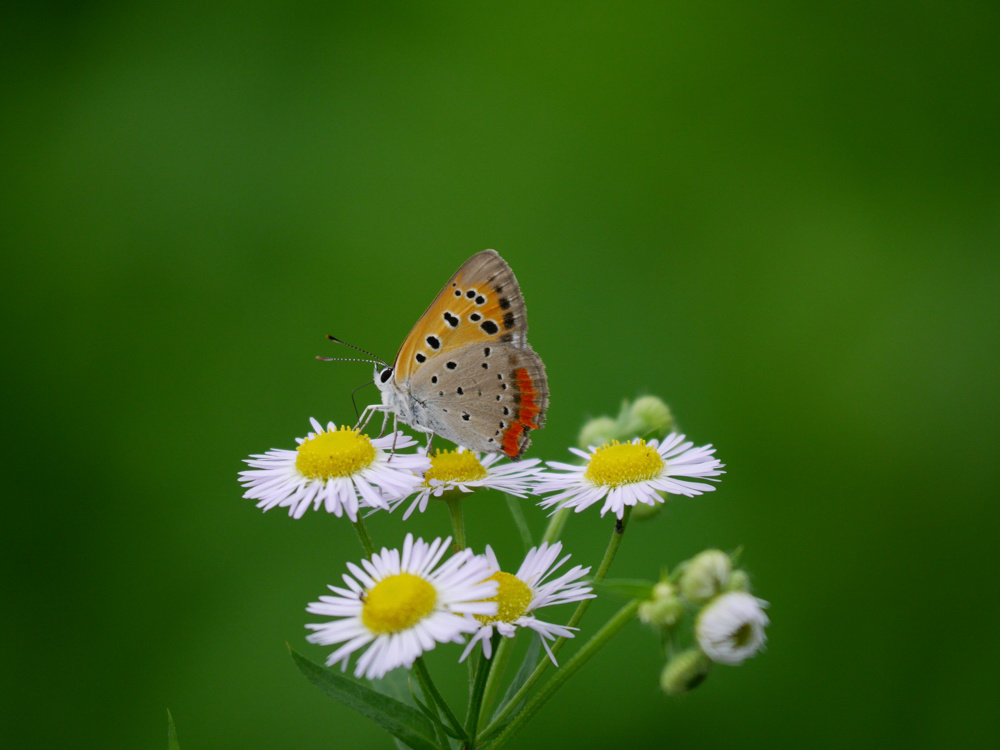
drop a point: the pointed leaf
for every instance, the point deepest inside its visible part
(626, 588)
(523, 673)
(172, 743)
(400, 720)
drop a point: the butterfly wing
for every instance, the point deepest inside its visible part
(492, 399)
(474, 338)
(480, 303)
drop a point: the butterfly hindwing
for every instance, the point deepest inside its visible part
(481, 303)
(490, 400)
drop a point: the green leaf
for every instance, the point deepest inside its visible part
(172, 743)
(398, 719)
(523, 673)
(396, 684)
(626, 588)
(522, 525)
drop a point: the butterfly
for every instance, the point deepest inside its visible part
(466, 372)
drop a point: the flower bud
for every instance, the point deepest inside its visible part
(649, 414)
(739, 580)
(644, 512)
(598, 431)
(731, 628)
(664, 609)
(684, 672)
(706, 575)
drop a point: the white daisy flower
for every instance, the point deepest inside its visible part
(336, 469)
(624, 474)
(402, 606)
(526, 591)
(731, 628)
(466, 471)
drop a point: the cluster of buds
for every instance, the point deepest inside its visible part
(729, 621)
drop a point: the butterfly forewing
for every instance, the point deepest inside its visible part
(480, 303)
(484, 396)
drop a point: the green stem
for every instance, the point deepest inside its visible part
(364, 537)
(581, 657)
(602, 571)
(500, 660)
(556, 524)
(478, 688)
(454, 502)
(522, 525)
(434, 697)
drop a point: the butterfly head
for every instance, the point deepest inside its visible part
(383, 374)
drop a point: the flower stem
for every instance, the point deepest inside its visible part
(500, 660)
(478, 688)
(457, 521)
(602, 571)
(433, 696)
(364, 537)
(556, 524)
(518, 515)
(581, 657)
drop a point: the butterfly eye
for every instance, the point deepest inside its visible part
(386, 374)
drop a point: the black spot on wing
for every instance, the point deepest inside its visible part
(481, 300)
(451, 365)
(475, 317)
(451, 320)
(434, 342)
(508, 320)
(420, 358)
(471, 293)
(504, 303)
(490, 327)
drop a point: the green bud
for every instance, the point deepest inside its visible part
(643, 512)
(649, 414)
(706, 575)
(665, 607)
(597, 432)
(738, 581)
(684, 672)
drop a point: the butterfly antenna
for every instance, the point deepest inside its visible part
(335, 340)
(354, 402)
(348, 359)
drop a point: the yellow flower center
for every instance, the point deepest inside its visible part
(513, 598)
(452, 466)
(339, 453)
(397, 603)
(624, 463)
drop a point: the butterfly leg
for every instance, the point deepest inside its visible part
(395, 433)
(367, 414)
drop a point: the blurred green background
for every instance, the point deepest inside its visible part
(783, 218)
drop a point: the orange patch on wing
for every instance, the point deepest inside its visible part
(526, 413)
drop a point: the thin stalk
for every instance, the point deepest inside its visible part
(454, 503)
(500, 660)
(518, 515)
(478, 688)
(434, 696)
(556, 524)
(581, 657)
(602, 571)
(364, 537)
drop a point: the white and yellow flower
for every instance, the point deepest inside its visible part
(625, 474)
(401, 604)
(523, 593)
(338, 470)
(466, 471)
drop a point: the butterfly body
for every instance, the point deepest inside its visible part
(466, 372)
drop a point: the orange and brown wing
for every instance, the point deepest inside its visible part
(481, 303)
